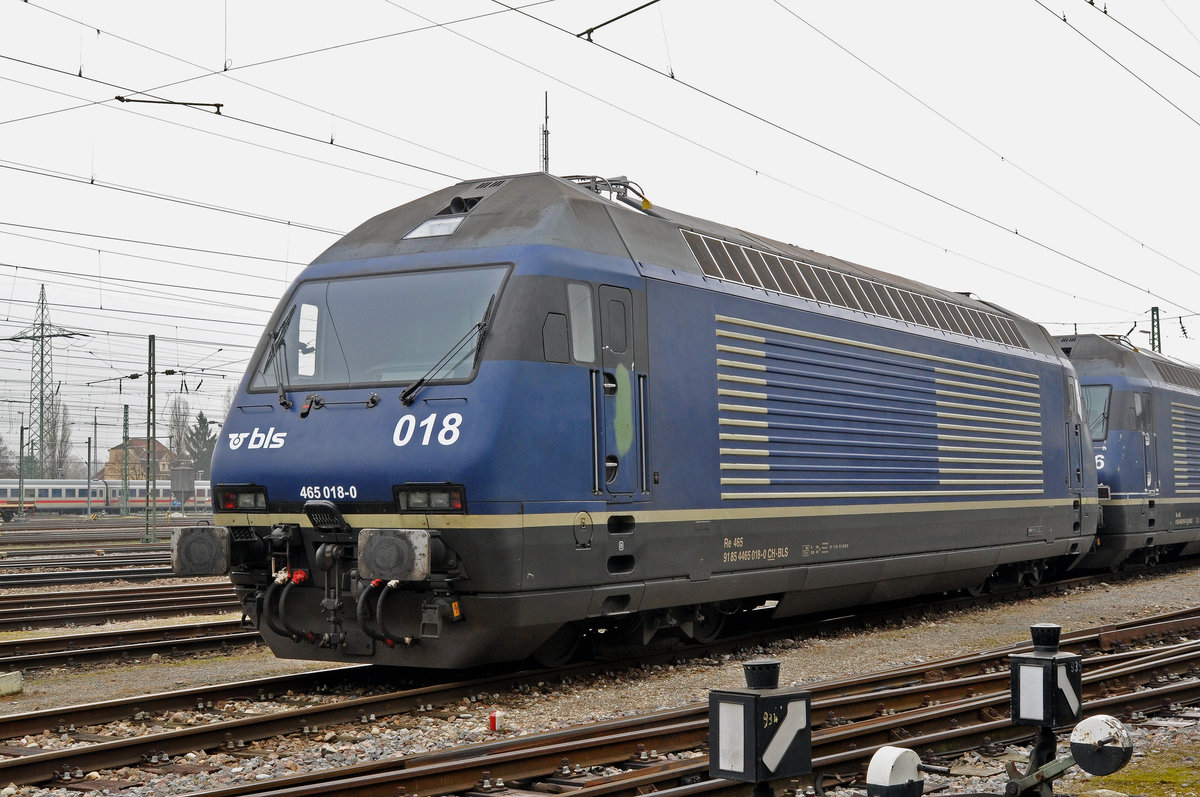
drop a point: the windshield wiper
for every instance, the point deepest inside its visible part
(277, 342)
(479, 327)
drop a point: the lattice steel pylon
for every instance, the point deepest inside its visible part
(41, 386)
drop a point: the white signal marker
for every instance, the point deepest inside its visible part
(1064, 683)
(794, 721)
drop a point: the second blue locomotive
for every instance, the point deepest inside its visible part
(1143, 414)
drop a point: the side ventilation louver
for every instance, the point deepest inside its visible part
(744, 265)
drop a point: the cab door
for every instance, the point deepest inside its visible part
(1143, 414)
(621, 463)
(1075, 450)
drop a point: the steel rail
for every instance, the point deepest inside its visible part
(869, 733)
(36, 722)
(85, 560)
(55, 529)
(132, 609)
(912, 676)
(31, 653)
(83, 597)
(30, 723)
(1112, 636)
(11, 554)
(461, 771)
(38, 767)
(44, 578)
(379, 704)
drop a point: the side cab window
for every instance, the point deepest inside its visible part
(1143, 415)
(582, 321)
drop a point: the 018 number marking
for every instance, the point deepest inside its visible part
(447, 435)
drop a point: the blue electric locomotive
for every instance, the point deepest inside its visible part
(1143, 414)
(527, 410)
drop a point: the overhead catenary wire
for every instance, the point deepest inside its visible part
(215, 134)
(766, 174)
(156, 289)
(1006, 159)
(860, 163)
(1015, 275)
(1118, 62)
(143, 242)
(229, 328)
(1109, 15)
(140, 313)
(75, 178)
(1081, 285)
(1182, 24)
(985, 264)
(228, 68)
(229, 116)
(135, 256)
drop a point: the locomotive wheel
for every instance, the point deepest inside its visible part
(559, 648)
(1034, 574)
(708, 624)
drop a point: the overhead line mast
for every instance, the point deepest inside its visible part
(42, 390)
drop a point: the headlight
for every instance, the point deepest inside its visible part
(429, 498)
(241, 498)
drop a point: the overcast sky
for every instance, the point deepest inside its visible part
(1047, 165)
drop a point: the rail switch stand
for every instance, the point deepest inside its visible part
(760, 733)
(1046, 691)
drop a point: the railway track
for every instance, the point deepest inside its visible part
(661, 753)
(84, 607)
(944, 707)
(43, 578)
(91, 607)
(54, 555)
(677, 763)
(70, 531)
(86, 560)
(94, 607)
(23, 554)
(59, 522)
(31, 653)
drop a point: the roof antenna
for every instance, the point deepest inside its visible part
(546, 136)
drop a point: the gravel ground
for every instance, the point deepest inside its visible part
(605, 697)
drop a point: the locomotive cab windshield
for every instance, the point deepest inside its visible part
(1095, 402)
(384, 329)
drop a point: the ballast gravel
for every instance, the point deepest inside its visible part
(552, 706)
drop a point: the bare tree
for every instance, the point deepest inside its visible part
(8, 461)
(74, 469)
(177, 421)
(57, 453)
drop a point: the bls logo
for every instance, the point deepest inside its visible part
(268, 439)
